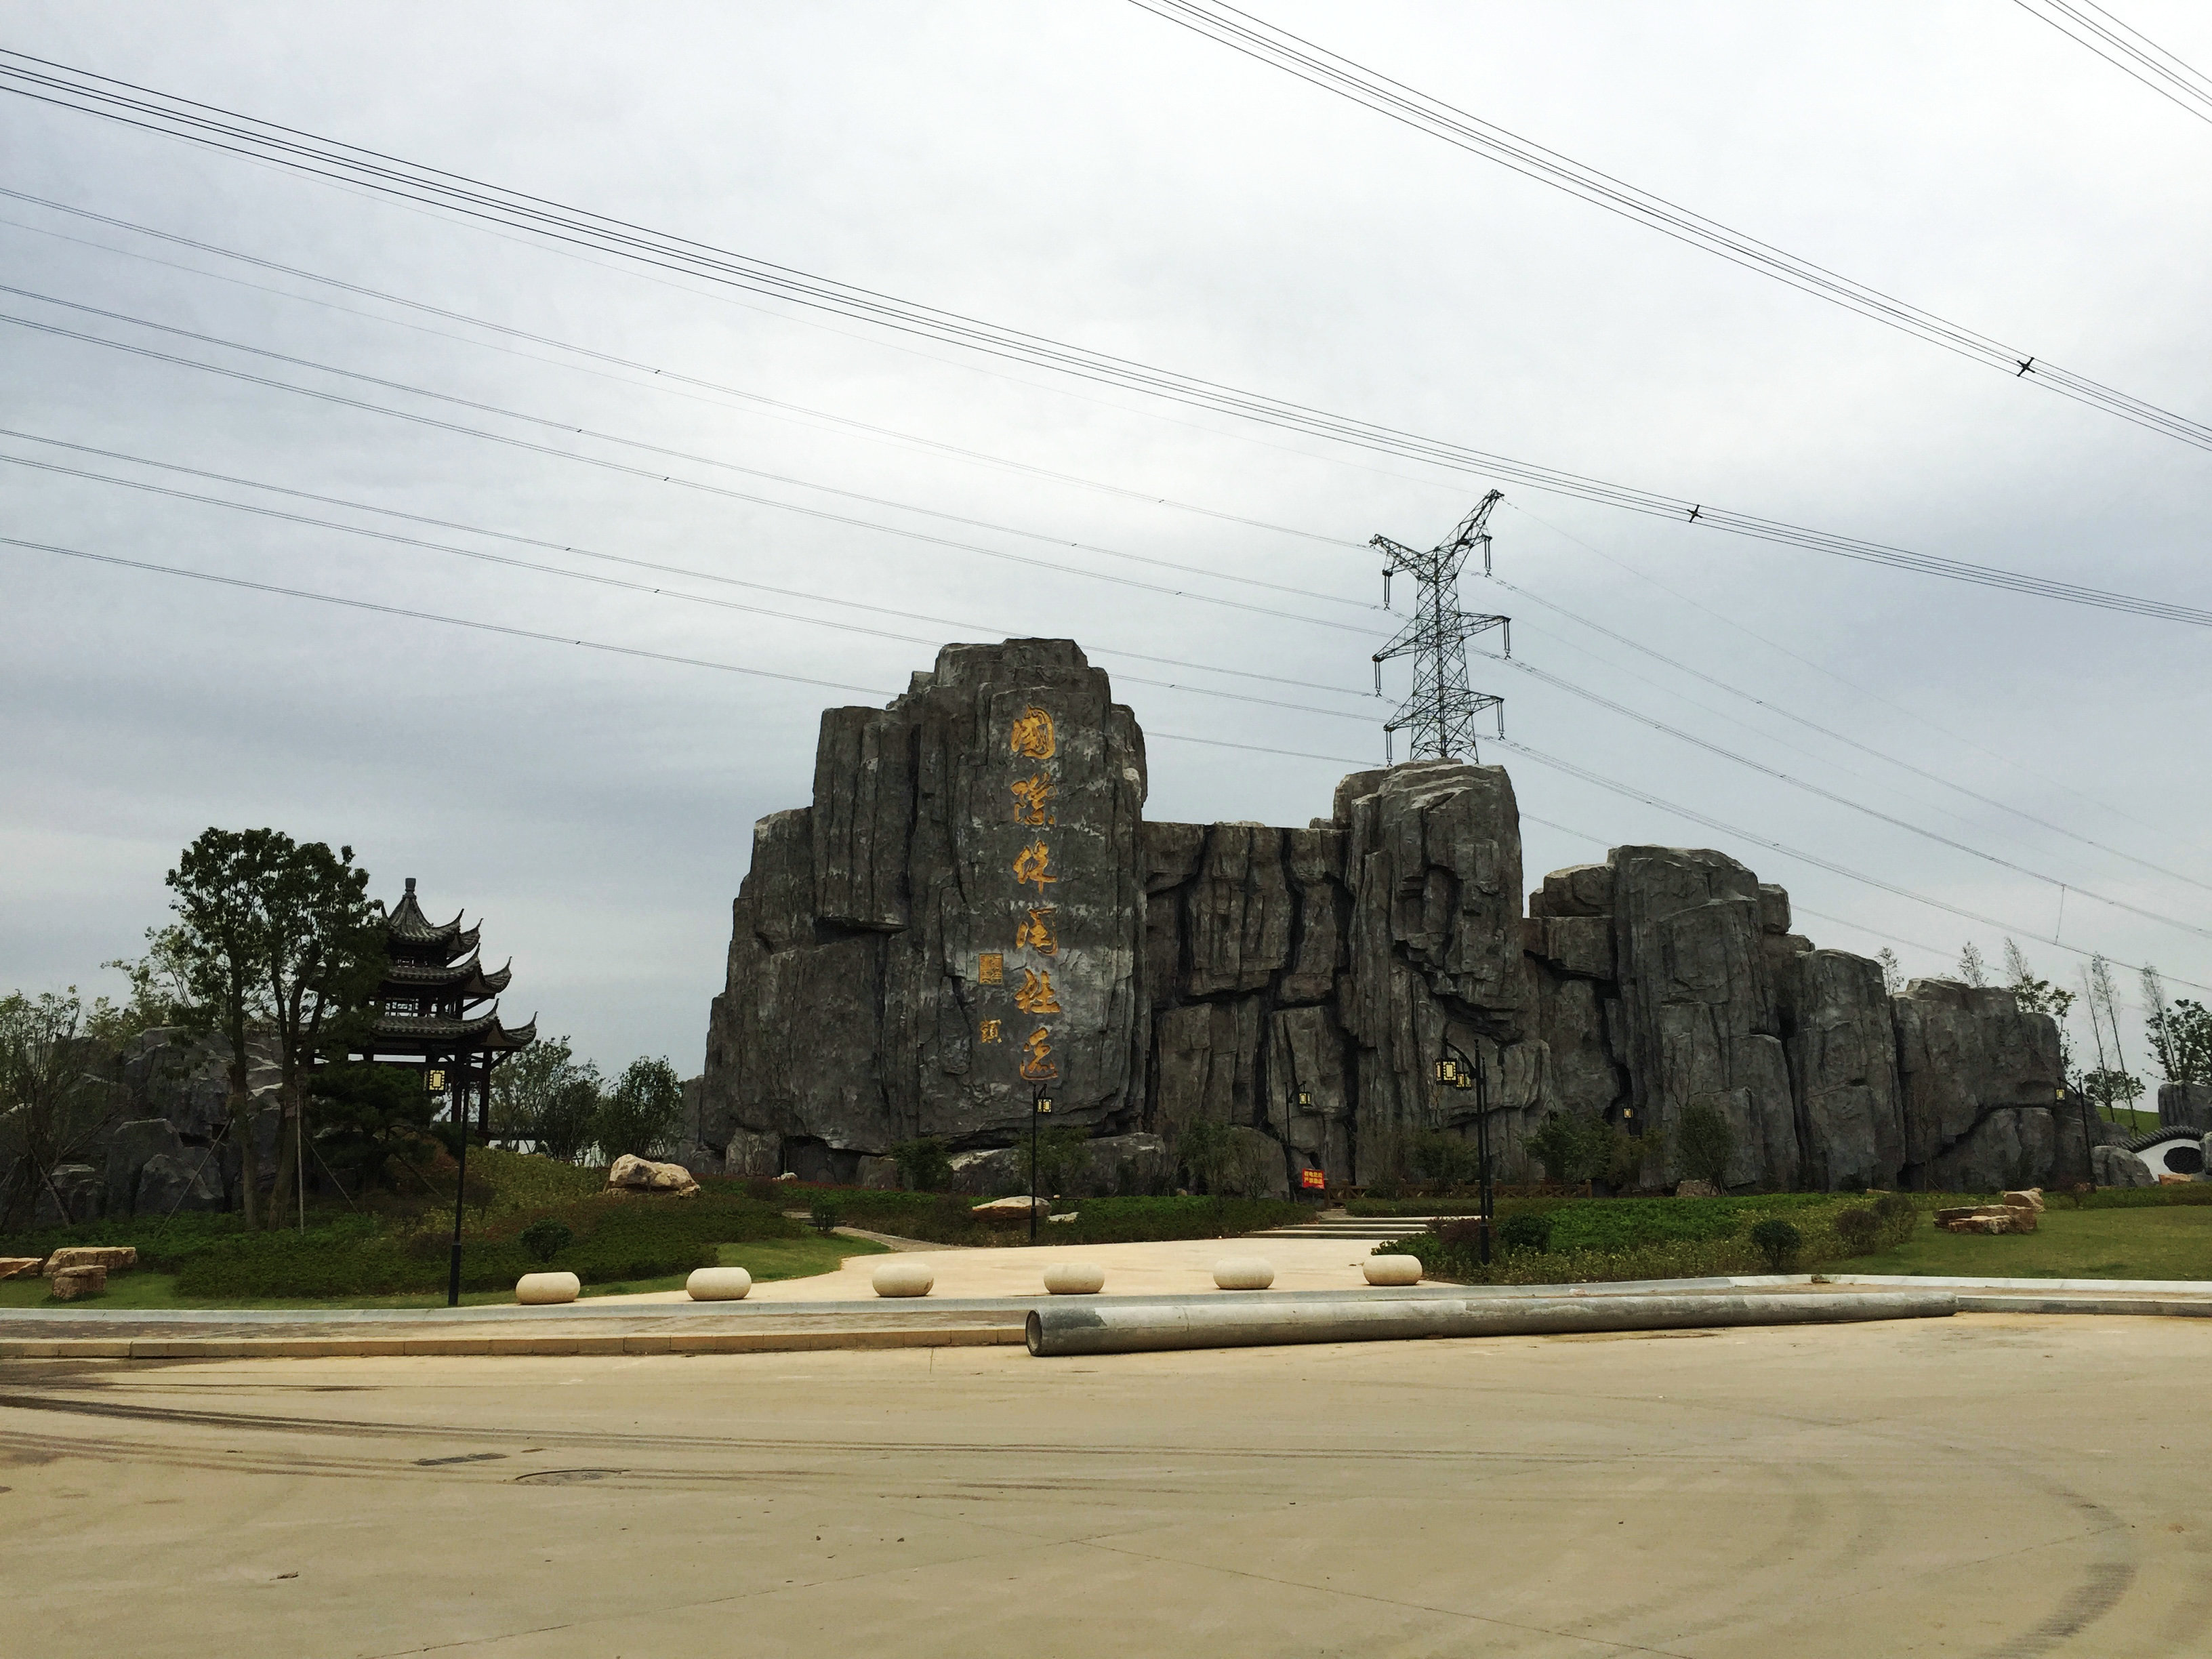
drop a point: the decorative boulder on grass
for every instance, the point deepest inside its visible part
(20, 1267)
(109, 1258)
(1987, 1218)
(633, 1174)
(72, 1283)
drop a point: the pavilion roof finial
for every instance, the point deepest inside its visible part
(410, 884)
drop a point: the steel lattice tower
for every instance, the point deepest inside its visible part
(1440, 709)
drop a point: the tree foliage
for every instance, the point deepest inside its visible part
(643, 1112)
(2180, 1032)
(1573, 1146)
(546, 1096)
(52, 1099)
(273, 938)
(1704, 1143)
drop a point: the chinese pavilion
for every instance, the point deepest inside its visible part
(430, 1009)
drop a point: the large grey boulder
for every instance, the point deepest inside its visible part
(1432, 868)
(1698, 1006)
(1981, 1082)
(1843, 1071)
(185, 1180)
(2186, 1105)
(71, 1193)
(956, 918)
(1112, 1163)
(2116, 1166)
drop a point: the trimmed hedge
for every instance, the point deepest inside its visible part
(615, 1238)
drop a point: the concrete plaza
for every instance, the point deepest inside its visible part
(1986, 1484)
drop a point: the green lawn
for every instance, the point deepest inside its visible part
(765, 1259)
(2162, 1243)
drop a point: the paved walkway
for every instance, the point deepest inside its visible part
(1173, 1267)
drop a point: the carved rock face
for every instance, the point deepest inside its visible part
(1697, 1004)
(1843, 1066)
(1980, 1079)
(956, 922)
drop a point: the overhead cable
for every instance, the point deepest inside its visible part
(1332, 72)
(557, 424)
(673, 479)
(146, 566)
(459, 194)
(661, 375)
(2128, 50)
(533, 566)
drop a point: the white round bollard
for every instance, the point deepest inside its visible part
(1243, 1272)
(1075, 1278)
(717, 1284)
(898, 1277)
(537, 1289)
(1392, 1269)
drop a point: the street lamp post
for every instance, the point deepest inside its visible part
(1454, 1070)
(1040, 1103)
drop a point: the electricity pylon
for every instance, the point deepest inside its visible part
(1440, 711)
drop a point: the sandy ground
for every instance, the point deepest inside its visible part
(1176, 1267)
(1986, 1485)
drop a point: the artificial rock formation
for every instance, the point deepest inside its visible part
(973, 912)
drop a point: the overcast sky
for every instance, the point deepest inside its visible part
(1087, 172)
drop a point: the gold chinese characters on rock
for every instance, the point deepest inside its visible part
(1035, 934)
(1032, 737)
(1032, 865)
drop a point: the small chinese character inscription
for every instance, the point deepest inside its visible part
(1030, 866)
(1030, 795)
(1036, 995)
(1032, 734)
(990, 968)
(1038, 1067)
(987, 1031)
(1035, 934)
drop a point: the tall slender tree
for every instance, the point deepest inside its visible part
(273, 939)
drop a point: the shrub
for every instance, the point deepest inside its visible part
(1858, 1230)
(545, 1239)
(1574, 1145)
(924, 1166)
(1778, 1242)
(825, 1216)
(1530, 1232)
(1706, 1142)
(1899, 1216)
(1440, 1156)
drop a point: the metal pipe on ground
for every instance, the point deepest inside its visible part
(1135, 1326)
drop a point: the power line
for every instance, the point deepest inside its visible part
(510, 631)
(659, 593)
(1332, 72)
(1845, 801)
(2128, 50)
(561, 425)
(1821, 668)
(1839, 736)
(671, 479)
(307, 154)
(661, 375)
(1556, 681)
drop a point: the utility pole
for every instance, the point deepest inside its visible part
(1440, 711)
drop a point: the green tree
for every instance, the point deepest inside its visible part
(641, 1113)
(276, 939)
(371, 1118)
(1972, 968)
(1573, 1146)
(2040, 996)
(53, 1098)
(1704, 1143)
(924, 1165)
(1061, 1153)
(2180, 1033)
(545, 1095)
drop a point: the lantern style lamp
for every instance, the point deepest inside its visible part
(1448, 1070)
